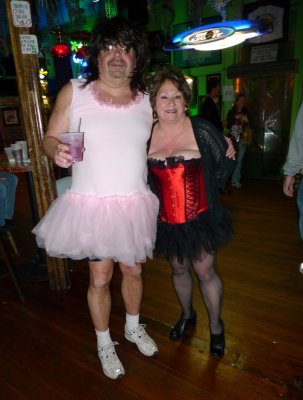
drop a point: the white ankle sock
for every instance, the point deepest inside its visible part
(103, 338)
(132, 321)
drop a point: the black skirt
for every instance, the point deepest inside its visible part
(192, 239)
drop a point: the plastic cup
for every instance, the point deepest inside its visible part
(18, 153)
(75, 142)
(18, 156)
(9, 154)
(24, 147)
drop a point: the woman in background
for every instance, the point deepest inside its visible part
(188, 162)
(237, 123)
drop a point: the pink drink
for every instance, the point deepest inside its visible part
(75, 141)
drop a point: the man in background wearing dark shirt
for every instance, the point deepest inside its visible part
(209, 109)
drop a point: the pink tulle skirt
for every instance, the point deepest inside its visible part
(122, 228)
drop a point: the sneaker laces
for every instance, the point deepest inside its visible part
(139, 332)
(111, 364)
(103, 351)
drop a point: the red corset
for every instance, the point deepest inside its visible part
(180, 188)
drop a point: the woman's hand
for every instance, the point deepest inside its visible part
(230, 152)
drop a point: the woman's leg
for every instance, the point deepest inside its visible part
(236, 176)
(183, 285)
(211, 289)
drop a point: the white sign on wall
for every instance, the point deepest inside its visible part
(266, 53)
(21, 13)
(228, 93)
(29, 44)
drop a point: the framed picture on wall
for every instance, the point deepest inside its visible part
(195, 58)
(273, 12)
(10, 116)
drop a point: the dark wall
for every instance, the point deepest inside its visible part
(136, 10)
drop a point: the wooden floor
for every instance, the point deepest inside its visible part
(48, 345)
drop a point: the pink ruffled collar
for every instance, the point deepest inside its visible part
(107, 103)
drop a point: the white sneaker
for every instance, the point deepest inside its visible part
(111, 364)
(145, 343)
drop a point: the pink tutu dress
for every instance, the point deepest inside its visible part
(109, 211)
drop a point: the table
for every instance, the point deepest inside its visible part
(36, 268)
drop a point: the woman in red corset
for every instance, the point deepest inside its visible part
(189, 160)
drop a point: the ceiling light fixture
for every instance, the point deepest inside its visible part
(218, 36)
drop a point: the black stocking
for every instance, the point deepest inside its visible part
(183, 285)
(211, 290)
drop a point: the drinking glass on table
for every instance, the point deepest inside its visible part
(9, 154)
(23, 144)
(18, 153)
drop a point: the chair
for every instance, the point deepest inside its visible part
(6, 234)
(12, 242)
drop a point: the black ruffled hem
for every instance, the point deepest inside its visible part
(193, 238)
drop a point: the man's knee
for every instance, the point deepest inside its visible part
(100, 274)
(100, 281)
(131, 272)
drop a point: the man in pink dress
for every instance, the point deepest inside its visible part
(109, 214)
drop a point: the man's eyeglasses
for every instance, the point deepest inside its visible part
(110, 49)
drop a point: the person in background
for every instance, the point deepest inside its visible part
(236, 123)
(294, 166)
(109, 214)
(8, 187)
(209, 109)
(188, 161)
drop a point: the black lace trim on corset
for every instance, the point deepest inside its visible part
(171, 161)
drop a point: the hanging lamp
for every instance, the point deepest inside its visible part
(219, 35)
(60, 49)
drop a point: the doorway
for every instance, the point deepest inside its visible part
(269, 102)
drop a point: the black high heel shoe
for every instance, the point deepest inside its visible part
(179, 329)
(217, 343)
